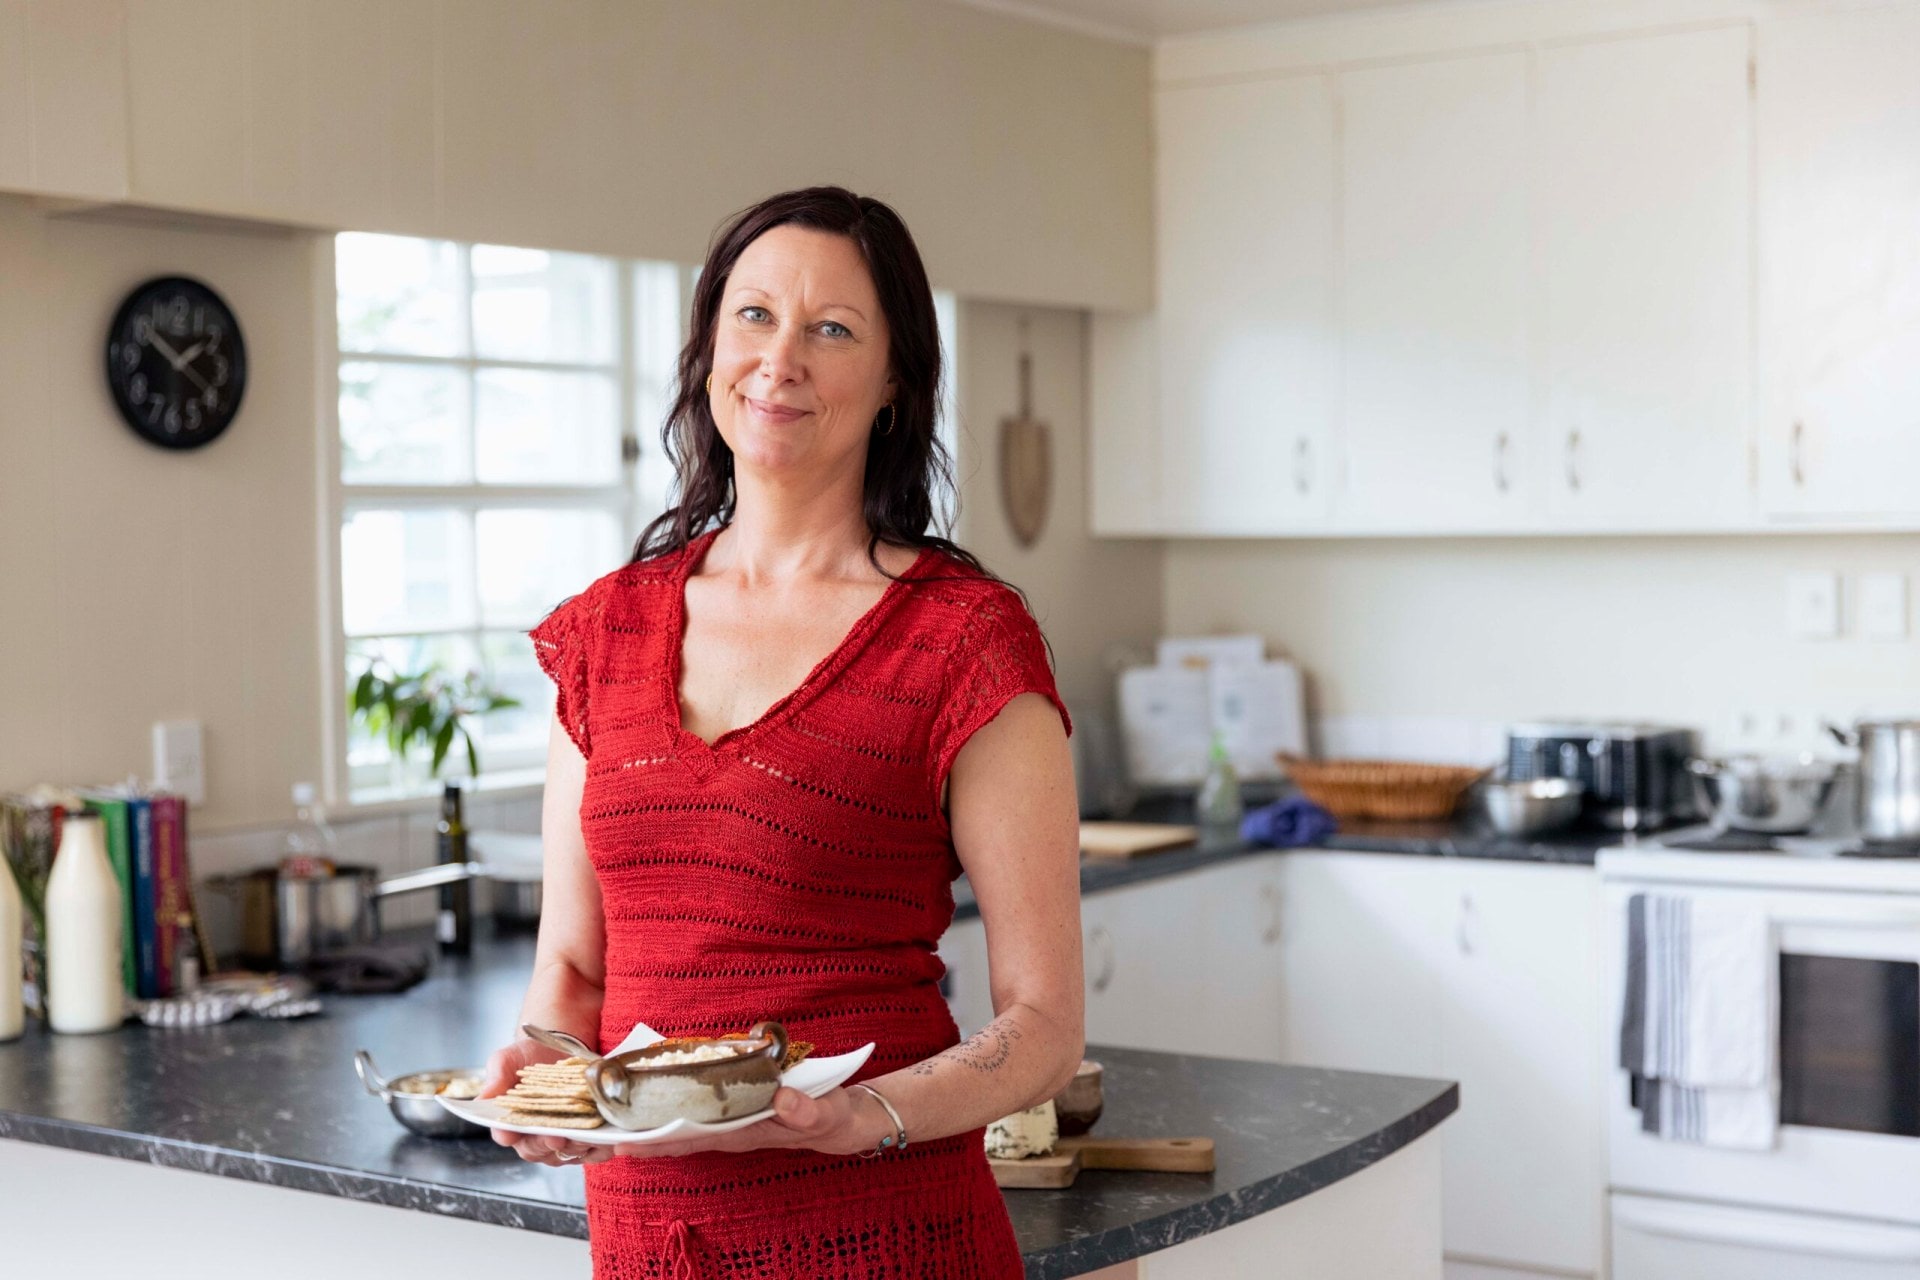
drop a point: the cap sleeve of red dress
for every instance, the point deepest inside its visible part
(561, 644)
(1001, 656)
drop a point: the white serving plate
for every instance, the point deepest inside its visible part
(812, 1076)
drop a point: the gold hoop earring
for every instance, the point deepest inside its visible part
(892, 414)
(709, 384)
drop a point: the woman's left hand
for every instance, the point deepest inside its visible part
(833, 1122)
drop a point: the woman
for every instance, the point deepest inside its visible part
(782, 730)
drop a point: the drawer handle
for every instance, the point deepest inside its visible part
(1275, 901)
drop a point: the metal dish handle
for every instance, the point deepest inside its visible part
(370, 1075)
(777, 1034)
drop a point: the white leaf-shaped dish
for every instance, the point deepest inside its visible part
(812, 1076)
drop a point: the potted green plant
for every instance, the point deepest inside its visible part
(431, 706)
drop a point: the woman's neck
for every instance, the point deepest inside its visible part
(777, 534)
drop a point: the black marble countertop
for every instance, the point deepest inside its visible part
(278, 1103)
(1461, 837)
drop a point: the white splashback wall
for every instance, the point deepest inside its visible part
(1424, 634)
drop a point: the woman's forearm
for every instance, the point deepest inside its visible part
(1019, 1060)
(561, 998)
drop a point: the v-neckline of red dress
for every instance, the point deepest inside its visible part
(836, 658)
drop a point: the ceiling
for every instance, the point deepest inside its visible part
(1143, 21)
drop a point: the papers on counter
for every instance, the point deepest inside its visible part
(1201, 685)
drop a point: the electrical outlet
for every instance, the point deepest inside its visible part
(1883, 606)
(1813, 606)
(179, 760)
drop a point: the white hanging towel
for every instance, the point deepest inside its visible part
(1701, 1027)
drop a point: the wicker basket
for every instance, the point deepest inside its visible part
(1381, 788)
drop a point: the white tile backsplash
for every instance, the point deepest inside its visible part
(1427, 739)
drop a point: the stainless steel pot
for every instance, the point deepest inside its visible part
(414, 1098)
(1888, 806)
(1771, 794)
(286, 920)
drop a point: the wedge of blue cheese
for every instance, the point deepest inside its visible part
(1032, 1132)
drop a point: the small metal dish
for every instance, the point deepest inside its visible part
(632, 1091)
(1533, 806)
(414, 1098)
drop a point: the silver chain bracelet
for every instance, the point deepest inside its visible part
(897, 1140)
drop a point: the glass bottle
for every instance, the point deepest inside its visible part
(454, 924)
(84, 987)
(13, 1009)
(310, 849)
(1218, 804)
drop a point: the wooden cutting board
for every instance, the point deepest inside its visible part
(1131, 839)
(1071, 1155)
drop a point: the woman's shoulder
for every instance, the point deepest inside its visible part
(632, 590)
(967, 606)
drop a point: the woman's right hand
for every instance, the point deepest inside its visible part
(503, 1072)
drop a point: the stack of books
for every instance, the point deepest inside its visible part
(146, 843)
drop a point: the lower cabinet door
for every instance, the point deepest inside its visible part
(1681, 1240)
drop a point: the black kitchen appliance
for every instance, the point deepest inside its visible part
(1635, 775)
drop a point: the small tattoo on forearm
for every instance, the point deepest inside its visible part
(985, 1050)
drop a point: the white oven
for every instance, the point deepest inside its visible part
(1839, 1194)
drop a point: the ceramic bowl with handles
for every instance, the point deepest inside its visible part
(637, 1090)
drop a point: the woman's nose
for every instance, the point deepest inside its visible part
(782, 355)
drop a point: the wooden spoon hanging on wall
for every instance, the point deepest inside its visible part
(1026, 460)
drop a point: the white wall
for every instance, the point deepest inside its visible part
(1692, 630)
(138, 583)
(1088, 595)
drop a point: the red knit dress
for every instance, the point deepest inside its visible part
(798, 869)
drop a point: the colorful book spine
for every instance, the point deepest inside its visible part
(113, 811)
(169, 886)
(146, 921)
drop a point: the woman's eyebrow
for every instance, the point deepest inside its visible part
(831, 306)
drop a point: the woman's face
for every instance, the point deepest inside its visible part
(800, 364)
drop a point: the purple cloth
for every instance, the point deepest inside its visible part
(1287, 823)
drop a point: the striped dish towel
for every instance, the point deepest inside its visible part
(1699, 1029)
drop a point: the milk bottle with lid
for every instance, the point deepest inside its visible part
(84, 988)
(12, 1011)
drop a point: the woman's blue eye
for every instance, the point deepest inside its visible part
(834, 329)
(753, 313)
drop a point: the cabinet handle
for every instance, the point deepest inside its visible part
(1573, 461)
(1099, 939)
(1463, 931)
(1274, 900)
(1302, 464)
(1796, 454)
(1501, 481)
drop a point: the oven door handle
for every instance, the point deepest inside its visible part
(1750, 1229)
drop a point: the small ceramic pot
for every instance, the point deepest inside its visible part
(1079, 1104)
(632, 1092)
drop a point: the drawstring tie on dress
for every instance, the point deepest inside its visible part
(685, 1259)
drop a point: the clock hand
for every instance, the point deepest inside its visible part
(192, 373)
(166, 348)
(186, 357)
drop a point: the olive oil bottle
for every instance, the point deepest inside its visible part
(454, 923)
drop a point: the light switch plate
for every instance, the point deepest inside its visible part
(1883, 606)
(179, 760)
(1813, 606)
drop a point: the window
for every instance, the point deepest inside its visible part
(499, 414)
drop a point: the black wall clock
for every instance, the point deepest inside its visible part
(175, 362)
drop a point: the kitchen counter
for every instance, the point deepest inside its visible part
(1461, 837)
(278, 1103)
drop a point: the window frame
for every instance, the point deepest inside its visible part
(339, 499)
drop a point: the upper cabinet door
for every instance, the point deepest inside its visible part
(1434, 269)
(1646, 227)
(1840, 200)
(1246, 279)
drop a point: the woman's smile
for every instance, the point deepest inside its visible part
(771, 413)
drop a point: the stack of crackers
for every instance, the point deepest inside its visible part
(553, 1095)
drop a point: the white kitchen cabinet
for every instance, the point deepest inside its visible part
(1434, 258)
(1245, 208)
(1482, 972)
(1183, 964)
(63, 92)
(1646, 235)
(1839, 101)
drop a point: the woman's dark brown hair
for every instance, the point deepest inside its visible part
(905, 466)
